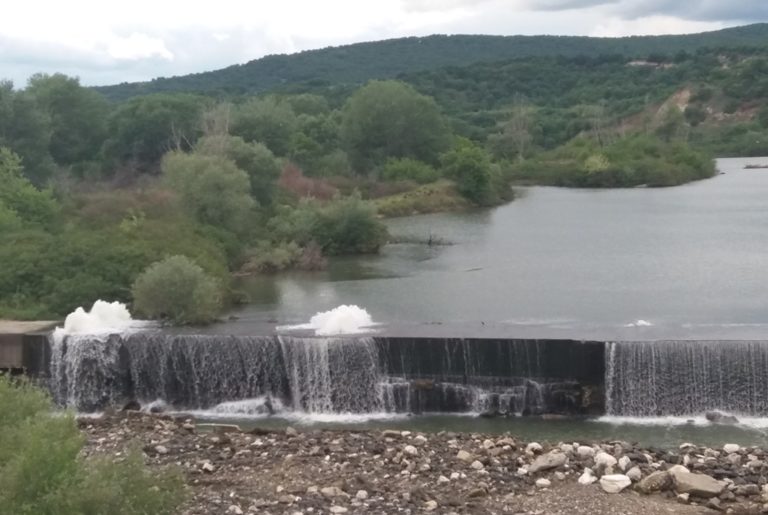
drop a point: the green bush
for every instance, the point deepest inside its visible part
(43, 472)
(270, 257)
(407, 169)
(178, 290)
(343, 226)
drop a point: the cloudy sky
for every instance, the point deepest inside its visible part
(142, 39)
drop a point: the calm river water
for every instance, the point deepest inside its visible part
(560, 261)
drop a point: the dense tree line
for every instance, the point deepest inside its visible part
(356, 64)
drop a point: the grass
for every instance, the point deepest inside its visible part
(436, 197)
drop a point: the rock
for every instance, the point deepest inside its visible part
(677, 469)
(477, 465)
(559, 476)
(430, 505)
(419, 439)
(208, 467)
(655, 482)
(683, 498)
(235, 509)
(714, 504)
(455, 476)
(477, 492)
(588, 477)
(614, 483)
(464, 455)
(443, 480)
(717, 417)
(332, 491)
(585, 452)
(543, 483)
(390, 433)
(635, 474)
(605, 460)
(161, 449)
(338, 509)
(624, 463)
(534, 448)
(488, 444)
(747, 490)
(699, 485)
(548, 461)
(730, 448)
(361, 495)
(286, 499)
(566, 449)
(410, 450)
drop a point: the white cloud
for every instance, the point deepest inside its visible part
(138, 46)
(615, 26)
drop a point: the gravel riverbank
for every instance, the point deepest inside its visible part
(319, 471)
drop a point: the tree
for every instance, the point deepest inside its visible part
(144, 128)
(78, 116)
(177, 289)
(19, 196)
(265, 120)
(26, 129)
(212, 188)
(470, 166)
(387, 119)
(672, 125)
(255, 159)
(515, 134)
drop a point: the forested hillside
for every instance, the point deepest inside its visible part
(355, 64)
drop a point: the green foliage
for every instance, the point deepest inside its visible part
(143, 129)
(269, 257)
(431, 198)
(20, 198)
(632, 161)
(470, 166)
(41, 471)
(178, 290)
(409, 170)
(389, 119)
(212, 188)
(266, 120)
(255, 159)
(342, 226)
(78, 117)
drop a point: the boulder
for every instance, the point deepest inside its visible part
(698, 485)
(635, 474)
(605, 460)
(655, 482)
(464, 456)
(614, 483)
(548, 461)
(730, 448)
(534, 448)
(543, 483)
(585, 452)
(717, 417)
(624, 463)
(587, 478)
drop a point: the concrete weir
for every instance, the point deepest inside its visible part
(24, 346)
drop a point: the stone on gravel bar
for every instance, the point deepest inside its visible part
(614, 483)
(548, 461)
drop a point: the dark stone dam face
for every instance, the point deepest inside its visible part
(241, 375)
(330, 375)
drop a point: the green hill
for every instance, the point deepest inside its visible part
(355, 64)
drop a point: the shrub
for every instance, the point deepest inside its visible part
(409, 169)
(178, 290)
(42, 470)
(269, 258)
(344, 226)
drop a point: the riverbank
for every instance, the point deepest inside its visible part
(389, 471)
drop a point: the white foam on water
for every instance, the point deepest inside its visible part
(102, 319)
(344, 319)
(744, 422)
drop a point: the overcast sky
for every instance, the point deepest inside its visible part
(142, 39)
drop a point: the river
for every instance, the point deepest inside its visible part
(690, 261)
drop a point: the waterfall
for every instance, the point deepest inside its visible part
(249, 375)
(686, 378)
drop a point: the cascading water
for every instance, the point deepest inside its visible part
(686, 378)
(246, 376)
